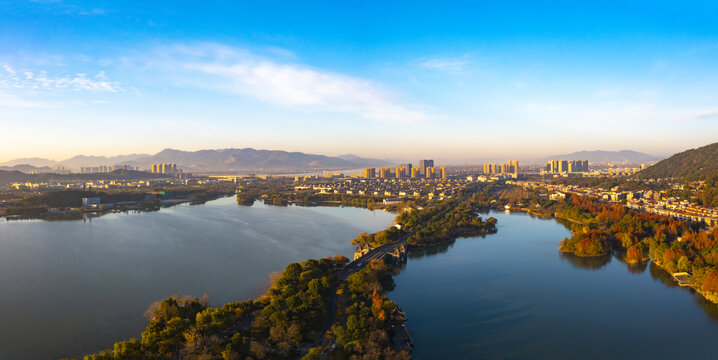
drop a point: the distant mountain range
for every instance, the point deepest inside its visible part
(38, 162)
(693, 164)
(72, 163)
(221, 160)
(601, 156)
(8, 177)
(26, 168)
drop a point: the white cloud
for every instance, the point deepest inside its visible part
(691, 115)
(9, 70)
(12, 100)
(446, 64)
(42, 81)
(291, 85)
(611, 114)
(93, 12)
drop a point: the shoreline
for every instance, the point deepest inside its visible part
(713, 298)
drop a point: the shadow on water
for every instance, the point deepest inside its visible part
(710, 308)
(585, 263)
(420, 252)
(662, 276)
(633, 268)
(638, 268)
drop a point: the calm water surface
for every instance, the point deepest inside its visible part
(511, 295)
(70, 288)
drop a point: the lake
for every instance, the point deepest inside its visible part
(512, 295)
(68, 288)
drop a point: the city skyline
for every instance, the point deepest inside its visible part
(461, 83)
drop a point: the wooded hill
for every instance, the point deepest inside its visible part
(693, 164)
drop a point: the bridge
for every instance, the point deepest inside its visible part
(377, 253)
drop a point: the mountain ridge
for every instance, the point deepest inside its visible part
(692, 164)
(208, 160)
(603, 156)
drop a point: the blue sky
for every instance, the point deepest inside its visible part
(455, 81)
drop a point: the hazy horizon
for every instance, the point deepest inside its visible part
(457, 82)
(475, 161)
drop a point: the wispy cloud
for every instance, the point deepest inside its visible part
(70, 8)
(614, 113)
(31, 80)
(690, 115)
(93, 12)
(446, 64)
(12, 100)
(292, 85)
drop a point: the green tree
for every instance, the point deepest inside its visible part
(128, 350)
(684, 264)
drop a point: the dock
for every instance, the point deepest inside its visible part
(683, 278)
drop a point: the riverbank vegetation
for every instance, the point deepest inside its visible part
(282, 324)
(363, 329)
(274, 326)
(448, 220)
(61, 204)
(439, 223)
(598, 228)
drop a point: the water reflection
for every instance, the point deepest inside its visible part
(633, 268)
(493, 298)
(710, 308)
(637, 268)
(420, 252)
(586, 263)
(662, 276)
(82, 285)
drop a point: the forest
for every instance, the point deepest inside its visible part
(281, 324)
(677, 246)
(449, 219)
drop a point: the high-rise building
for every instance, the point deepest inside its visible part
(495, 168)
(430, 171)
(552, 166)
(443, 172)
(407, 169)
(370, 173)
(563, 166)
(169, 168)
(415, 173)
(514, 166)
(423, 164)
(400, 172)
(384, 173)
(566, 166)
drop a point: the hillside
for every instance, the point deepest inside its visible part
(693, 164)
(26, 168)
(601, 156)
(37, 162)
(251, 160)
(247, 159)
(79, 161)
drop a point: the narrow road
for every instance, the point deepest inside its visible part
(376, 253)
(343, 274)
